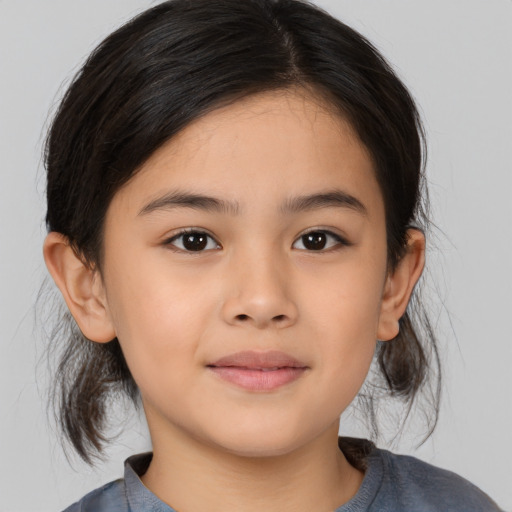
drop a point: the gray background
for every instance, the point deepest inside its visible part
(455, 55)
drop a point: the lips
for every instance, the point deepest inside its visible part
(259, 371)
(260, 360)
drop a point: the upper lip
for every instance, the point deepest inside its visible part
(258, 360)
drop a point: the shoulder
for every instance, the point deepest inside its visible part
(108, 498)
(417, 485)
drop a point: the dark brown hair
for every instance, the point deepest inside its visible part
(173, 64)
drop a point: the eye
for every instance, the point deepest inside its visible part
(193, 241)
(318, 240)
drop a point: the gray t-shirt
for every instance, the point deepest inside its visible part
(392, 483)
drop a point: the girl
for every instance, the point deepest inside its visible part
(234, 214)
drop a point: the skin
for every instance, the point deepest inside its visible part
(256, 286)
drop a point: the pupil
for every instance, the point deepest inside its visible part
(314, 241)
(195, 242)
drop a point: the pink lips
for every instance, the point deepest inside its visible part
(258, 371)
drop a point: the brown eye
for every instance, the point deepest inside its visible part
(318, 241)
(193, 241)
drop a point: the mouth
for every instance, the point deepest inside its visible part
(258, 371)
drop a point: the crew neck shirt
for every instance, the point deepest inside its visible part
(392, 483)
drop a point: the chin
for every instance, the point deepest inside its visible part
(260, 450)
(262, 443)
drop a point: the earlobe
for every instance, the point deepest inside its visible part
(81, 287)
(400, 284)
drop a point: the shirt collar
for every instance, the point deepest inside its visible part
(141, 499)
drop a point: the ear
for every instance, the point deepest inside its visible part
(400, 284)
(81, 287)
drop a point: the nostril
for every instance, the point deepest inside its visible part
(278, 318)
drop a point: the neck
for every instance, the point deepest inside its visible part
(191, 476)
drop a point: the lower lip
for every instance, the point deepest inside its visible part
(258, 380)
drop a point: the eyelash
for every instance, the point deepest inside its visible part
(340, 241)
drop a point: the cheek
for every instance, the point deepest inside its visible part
(347, 297)
(344, 312)
(157, 319)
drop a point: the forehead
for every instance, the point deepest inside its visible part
(270, 145)
(289, 121)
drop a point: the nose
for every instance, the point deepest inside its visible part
(259, 293)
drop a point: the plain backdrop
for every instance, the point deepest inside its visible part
(455, 56)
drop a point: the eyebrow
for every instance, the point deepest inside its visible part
(181, 199)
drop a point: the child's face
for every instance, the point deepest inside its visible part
(254, 282)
